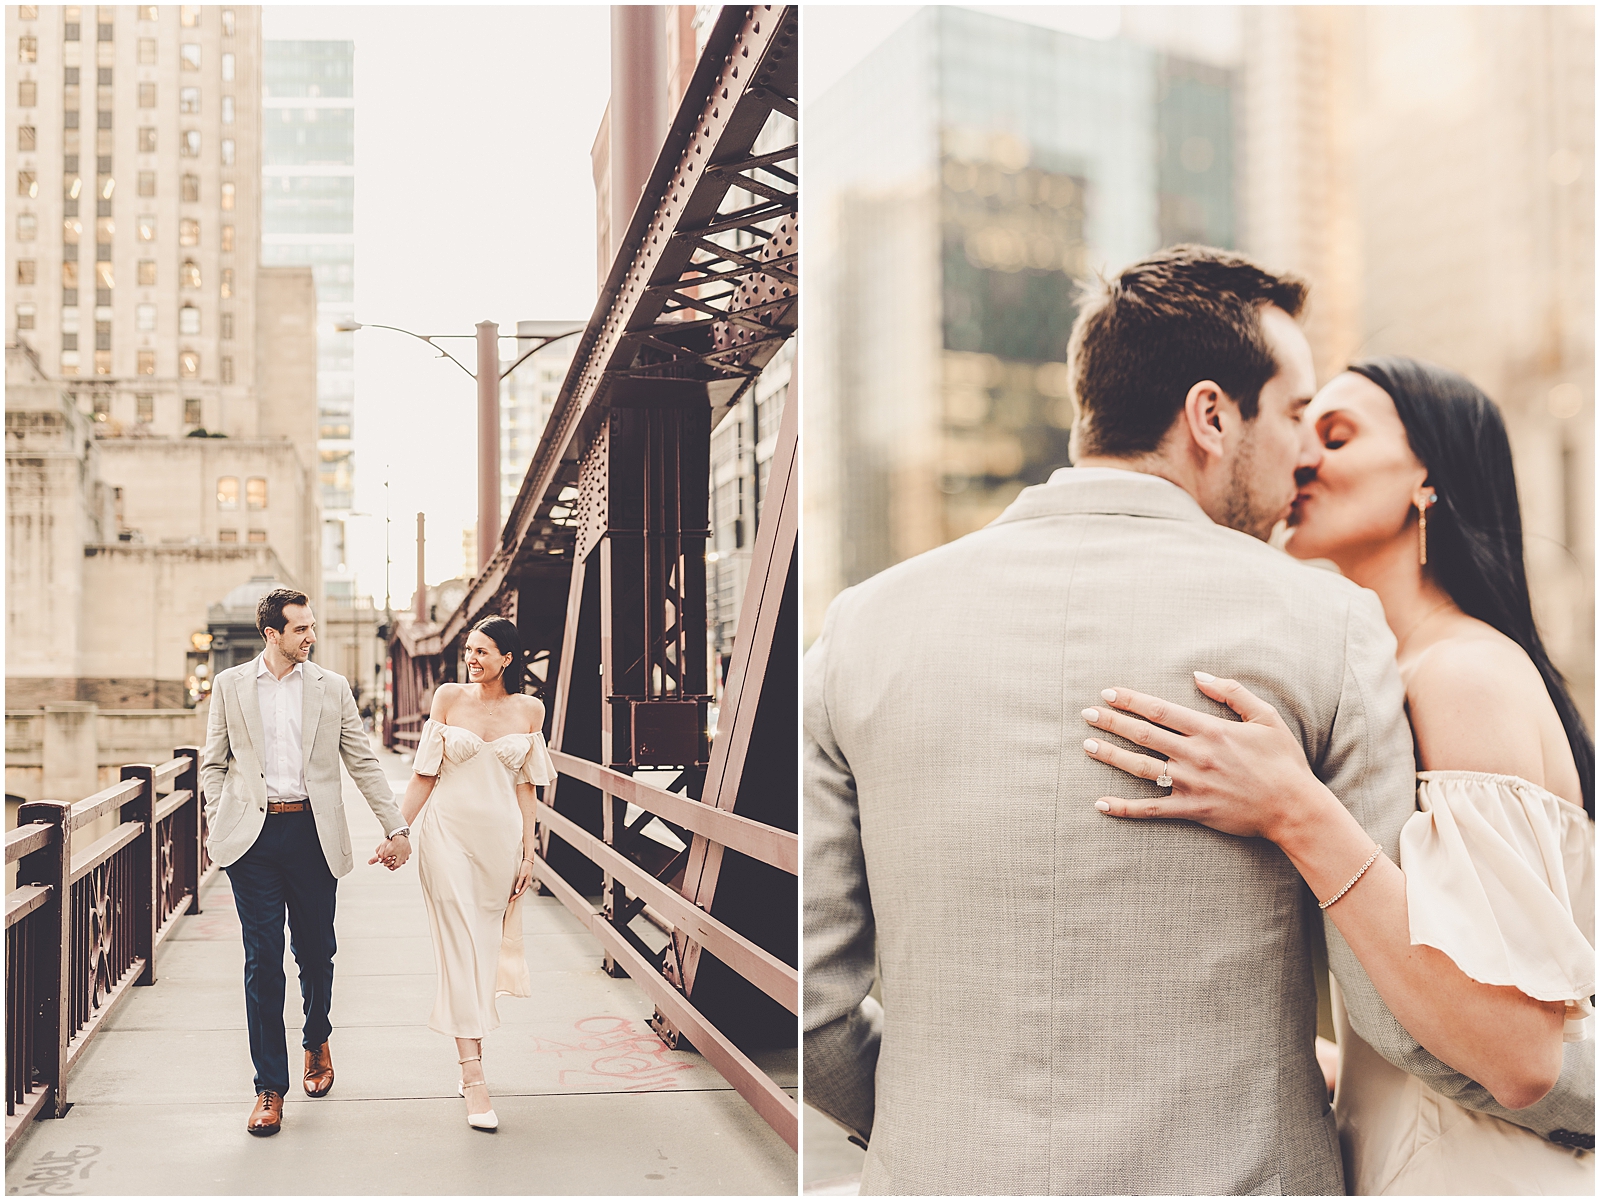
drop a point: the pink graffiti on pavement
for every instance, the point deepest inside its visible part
(620, 1050)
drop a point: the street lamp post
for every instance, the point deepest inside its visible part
(488, 377)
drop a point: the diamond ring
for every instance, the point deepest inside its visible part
(1164, 780)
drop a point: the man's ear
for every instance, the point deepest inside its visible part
(1204, 414)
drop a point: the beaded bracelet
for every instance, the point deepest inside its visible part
(1371, 859)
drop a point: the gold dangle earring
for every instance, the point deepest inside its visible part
(1422, 527)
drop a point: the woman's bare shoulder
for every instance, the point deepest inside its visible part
(532, 708)
(1475, 700)
(443, 696)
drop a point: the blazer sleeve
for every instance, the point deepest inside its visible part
(1370, 766)
(843, 1025)
(218, 751)
(356, 750)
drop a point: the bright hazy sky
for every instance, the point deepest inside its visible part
(474, 201)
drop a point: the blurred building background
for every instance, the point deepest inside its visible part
(1429, 170)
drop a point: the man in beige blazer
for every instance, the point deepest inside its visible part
(1071, 1005)
(278, 729)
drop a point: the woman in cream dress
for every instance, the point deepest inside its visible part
(474, 772)
(1483, 945)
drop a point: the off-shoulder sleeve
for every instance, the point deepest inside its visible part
(430, 751)
(537, 766)
(1500, 877)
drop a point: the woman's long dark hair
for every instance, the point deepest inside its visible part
(1475, 529)
(503, 633)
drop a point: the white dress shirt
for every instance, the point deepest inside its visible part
(281, 704)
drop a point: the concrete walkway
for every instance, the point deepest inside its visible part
(590, 1101)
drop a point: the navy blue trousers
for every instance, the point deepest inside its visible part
(285, 872)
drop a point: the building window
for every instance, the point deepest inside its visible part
(27, 139)
(104, 75)
(189, 364)
(227, 370)
(189, 274)
(25, 313)
(189, 56)
(147, 52)
(103, 164)
(27, 184)
(105, 228)
(227, 237)
(227, 110)
(190, 189)
(27, 227)
(27, 49)
(191, 410)
(227, 282)
(228, 493)
(255, 491)
(27, 12)
(258, 535)
(188, 320)
(102, 358)
(227, 197)
(147, 95)
(147, 140)
(69, 273)
(144, 404)
(227, 152)
(144, 318)
(107, 186)
(227, 22)
(189, 100)
(104, 278)
(28, 271)
(69, 358)
(69, 341)
(107, 33)
(188, 232)
(71, 118)
(27, 93)
(147, 273)
(147, 12)
(146, 227)
(227, 535)
(147, 183)
(189, 143)
(102, 335)
(227, 68)
(189, 15)
(103, 119)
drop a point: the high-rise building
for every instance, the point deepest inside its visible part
(967, 174)
(527, 394)
(131, 254)
(308, 218)
(139, 317)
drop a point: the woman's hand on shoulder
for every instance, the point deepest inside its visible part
(1473, 707)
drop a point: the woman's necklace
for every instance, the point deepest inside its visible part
(484, 701)
(1417, 625)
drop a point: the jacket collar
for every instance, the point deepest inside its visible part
(1110, 491)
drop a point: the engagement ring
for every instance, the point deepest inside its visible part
(1164, 780)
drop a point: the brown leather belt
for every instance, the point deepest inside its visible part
(288, 806)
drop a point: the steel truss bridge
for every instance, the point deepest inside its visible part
(602, 566)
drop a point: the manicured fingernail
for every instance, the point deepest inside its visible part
(1109, 693)
(1091, 715)
(1102, 806)
(1090, 745)
(1205, 677)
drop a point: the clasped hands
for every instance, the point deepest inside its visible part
(392, 852)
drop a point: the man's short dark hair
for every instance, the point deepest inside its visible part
(269, 612)
(1145, 337)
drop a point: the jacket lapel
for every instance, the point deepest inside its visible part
(250, 706)
(311, 707)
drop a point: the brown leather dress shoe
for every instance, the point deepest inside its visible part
(319, 1072)
(267, 1116)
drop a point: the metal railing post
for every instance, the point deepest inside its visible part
(52, 957)
(191, 834)
(146, 875)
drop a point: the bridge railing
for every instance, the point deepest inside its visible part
(768, 844)
(83, 923)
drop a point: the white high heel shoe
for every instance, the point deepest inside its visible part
(478, 1121)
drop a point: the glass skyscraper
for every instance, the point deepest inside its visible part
(308, 218)
(968, 175)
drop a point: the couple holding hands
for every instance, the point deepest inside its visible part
(278, 729)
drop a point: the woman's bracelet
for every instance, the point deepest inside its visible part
(1371, 859)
